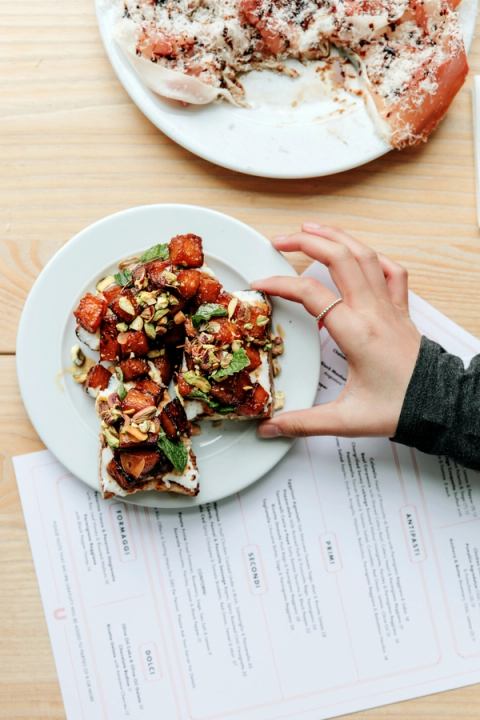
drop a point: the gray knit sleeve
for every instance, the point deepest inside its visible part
(441, 409)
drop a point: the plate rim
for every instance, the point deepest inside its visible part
(24, 350)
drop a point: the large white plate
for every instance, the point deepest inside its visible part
(289, 132)
(230, 456)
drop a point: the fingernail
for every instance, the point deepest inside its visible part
(312, 227)
(280, 238)
(269, 430)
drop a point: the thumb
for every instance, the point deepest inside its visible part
(319, 420)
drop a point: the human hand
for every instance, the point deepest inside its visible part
(372, 327)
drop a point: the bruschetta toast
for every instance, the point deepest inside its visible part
(173, 346)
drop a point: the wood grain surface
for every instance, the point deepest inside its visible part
(73, 148)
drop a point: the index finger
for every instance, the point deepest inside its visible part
(344, 268)
(315, 297)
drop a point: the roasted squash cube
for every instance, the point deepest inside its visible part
(173, 419)
(133, 368)
(188, 282)
(148, 386)
(136, 400)
(98, 377)
(165, 368)
(90, 312)
(254, 357)
(208, 289)
(133, 341)
(139, 462)
(186, 251)
(109, 347)
(255, 403)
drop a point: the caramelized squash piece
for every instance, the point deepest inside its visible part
(90, 312)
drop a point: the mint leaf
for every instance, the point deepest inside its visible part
(239, 361)
(207, 311)
(199, 395)
(124, 277)
(157, 252)
(176, 452)
(226, 409)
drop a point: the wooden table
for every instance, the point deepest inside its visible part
(73, 149)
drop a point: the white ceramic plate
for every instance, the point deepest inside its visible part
(316, 136)
(230, 457)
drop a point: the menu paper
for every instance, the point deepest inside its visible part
(347, 578)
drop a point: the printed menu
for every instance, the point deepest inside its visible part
(347, 578)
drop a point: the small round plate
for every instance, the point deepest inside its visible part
(294, 128)
(230, 456)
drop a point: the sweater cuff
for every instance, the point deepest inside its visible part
(412, 420)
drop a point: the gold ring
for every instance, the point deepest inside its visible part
(321, 316)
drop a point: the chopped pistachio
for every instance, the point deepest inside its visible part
(197, 381)
(122, 327)
(105, 283)
(226, 360)
(236, 345)
(154, 373)
(172, 300)
(144, 414)
(159, 314)
(79, 376)
(146, 298)
(276, 368)
(279, 400)
(213, 327)
(170, 277)
(137, 324)
(148, 313)
(212, 359)
(232, 306)
(126, 305)
(248, 326)
(136, 433)
(156, 353)
(179, 318)
(278, 346)
(150, 330)
(111, 438)
(262, 320)
(78, 357)
(128, 262)
(161, 302)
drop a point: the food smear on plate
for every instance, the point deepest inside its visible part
(173, 346)
(406, 56)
